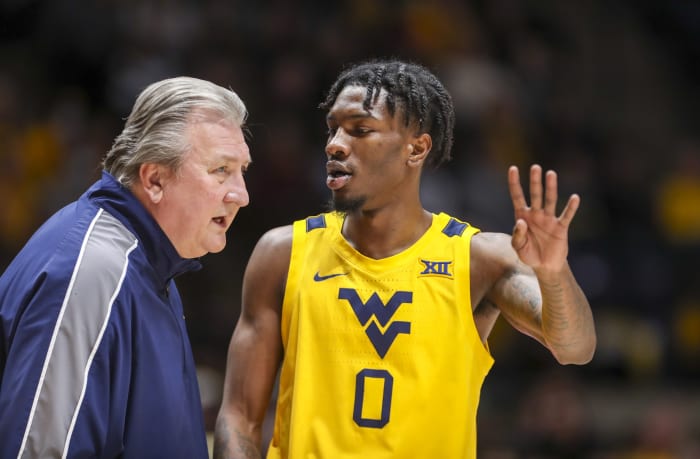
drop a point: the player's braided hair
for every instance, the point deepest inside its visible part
(411, 87)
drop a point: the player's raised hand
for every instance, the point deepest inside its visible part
(540, 237)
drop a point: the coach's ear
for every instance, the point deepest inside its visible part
(152, 181)
(419, 149)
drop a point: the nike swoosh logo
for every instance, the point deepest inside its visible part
(319, 278)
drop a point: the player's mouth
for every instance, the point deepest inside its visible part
(338, 175)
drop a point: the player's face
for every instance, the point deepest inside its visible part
(367, 153)
(201, 200)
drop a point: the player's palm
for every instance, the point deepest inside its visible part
(540, 237)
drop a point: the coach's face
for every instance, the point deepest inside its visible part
(196, 205)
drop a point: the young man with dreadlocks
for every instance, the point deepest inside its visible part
(377, 313)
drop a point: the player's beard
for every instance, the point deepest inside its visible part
(345, 205)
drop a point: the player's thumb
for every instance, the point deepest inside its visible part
(519, 238)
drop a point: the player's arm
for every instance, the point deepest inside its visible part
(255, 350)
(534, 287)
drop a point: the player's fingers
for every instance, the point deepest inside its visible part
(570, 210)
(516, 190)
(550, 193)
(536, 187)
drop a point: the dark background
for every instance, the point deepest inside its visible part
(604, 92)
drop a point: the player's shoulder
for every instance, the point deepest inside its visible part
(280, 235)
(492, 247)
(274, 244)
(491, 257)
(271, 255)
(489, 238)
(281, 238)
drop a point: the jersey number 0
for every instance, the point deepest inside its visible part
(373, 387)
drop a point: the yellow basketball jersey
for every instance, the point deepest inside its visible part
(382, 357)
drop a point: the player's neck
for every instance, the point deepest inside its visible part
(383, 233)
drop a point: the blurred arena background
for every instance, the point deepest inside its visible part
(605, 92)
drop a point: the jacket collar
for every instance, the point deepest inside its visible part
(119, 201)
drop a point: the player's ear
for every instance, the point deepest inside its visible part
(152, 179)
(419, 148)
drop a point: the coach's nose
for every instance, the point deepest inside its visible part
(238, 194)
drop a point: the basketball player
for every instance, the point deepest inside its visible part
(377, 313)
